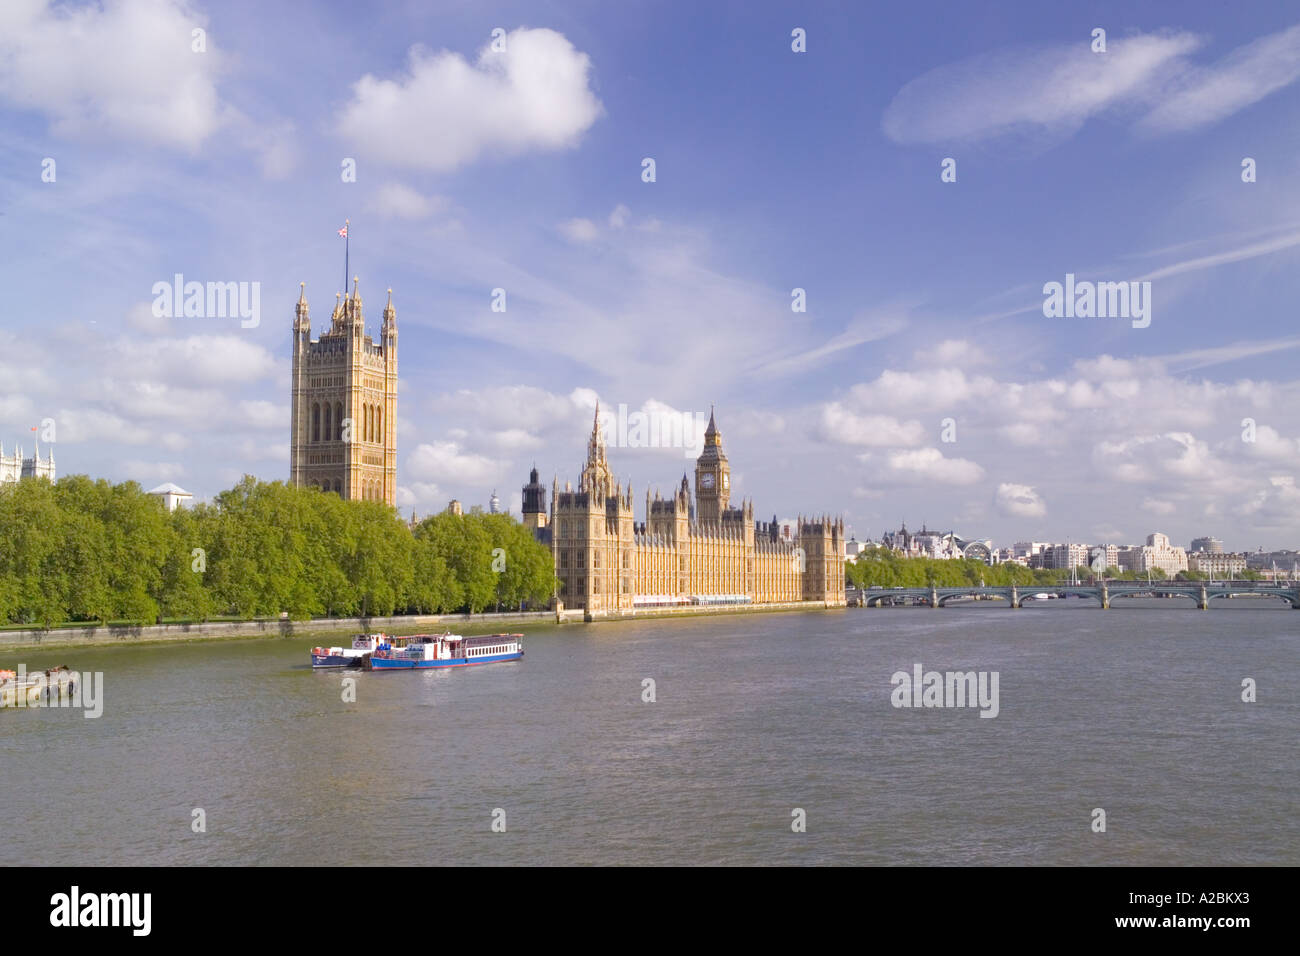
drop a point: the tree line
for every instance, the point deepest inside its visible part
(81, 550)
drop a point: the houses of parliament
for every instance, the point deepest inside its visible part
(692, 549)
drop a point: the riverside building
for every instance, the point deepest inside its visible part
(693, 548)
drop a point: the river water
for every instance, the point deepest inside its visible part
(1136, 711)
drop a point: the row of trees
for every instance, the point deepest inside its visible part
(882, 567)
(83, 550)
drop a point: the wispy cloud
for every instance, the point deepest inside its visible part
(1055, 90)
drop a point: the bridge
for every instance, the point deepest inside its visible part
(1202, 592)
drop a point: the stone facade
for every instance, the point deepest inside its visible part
(344, 421)
(700, 551)
(16, 466)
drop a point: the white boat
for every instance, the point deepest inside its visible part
(353, 656)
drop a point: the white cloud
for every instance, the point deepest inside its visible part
(1020, 501)
(1054, 89)
(398, 201)
(194, 360)
(929, 464)
(840, 424)
(121, 69)
(618, 216)
(579, 230)
(1157, 506)
(445, 112)
(1245, 76)
(448, 461)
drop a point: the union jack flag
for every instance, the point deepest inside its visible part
(343, 233)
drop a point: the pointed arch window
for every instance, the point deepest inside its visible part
(315, 422)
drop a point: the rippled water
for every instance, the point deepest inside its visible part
(1136, 710)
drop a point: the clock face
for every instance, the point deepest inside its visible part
(706, 481)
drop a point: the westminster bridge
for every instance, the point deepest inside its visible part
(1202, 592)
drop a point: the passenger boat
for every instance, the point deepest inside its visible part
(445, 650)
(353, 656)
(21, 689)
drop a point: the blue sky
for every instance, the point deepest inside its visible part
(774, 170)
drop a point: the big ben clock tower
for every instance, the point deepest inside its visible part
(712, 477)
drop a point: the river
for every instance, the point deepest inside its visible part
(1136, 711)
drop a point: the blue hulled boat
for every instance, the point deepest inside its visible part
(424, 651)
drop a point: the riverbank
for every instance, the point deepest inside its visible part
(409, 623)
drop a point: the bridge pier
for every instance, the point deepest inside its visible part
(1105, 597)
(934, 597)
(1203, 602)
(1015, 598)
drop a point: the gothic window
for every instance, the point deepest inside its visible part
(338, 421)
(379, 430)
(338, 486)
(328, 430)
(315, 423)
(370, 423)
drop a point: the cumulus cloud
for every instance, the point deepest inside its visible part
(448, 461)
(1019, 501)
(119, 69)
(929, 464)
(195, 359)
(444, 112)
(840, 424)
(398, 201)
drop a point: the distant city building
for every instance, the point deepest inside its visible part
(939, 545)
(1216, 563)
(494, 503)
(1155, 554)
(15, 466)
(1060, 556)
(1103, 556)
(1212, 545)
(1027, 549)
(852, 549)
(172, 495)
(1286, 562)
(454, 507)
(343, 429)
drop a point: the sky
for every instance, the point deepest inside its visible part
(922, 172)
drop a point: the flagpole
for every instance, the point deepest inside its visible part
(347, 246)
